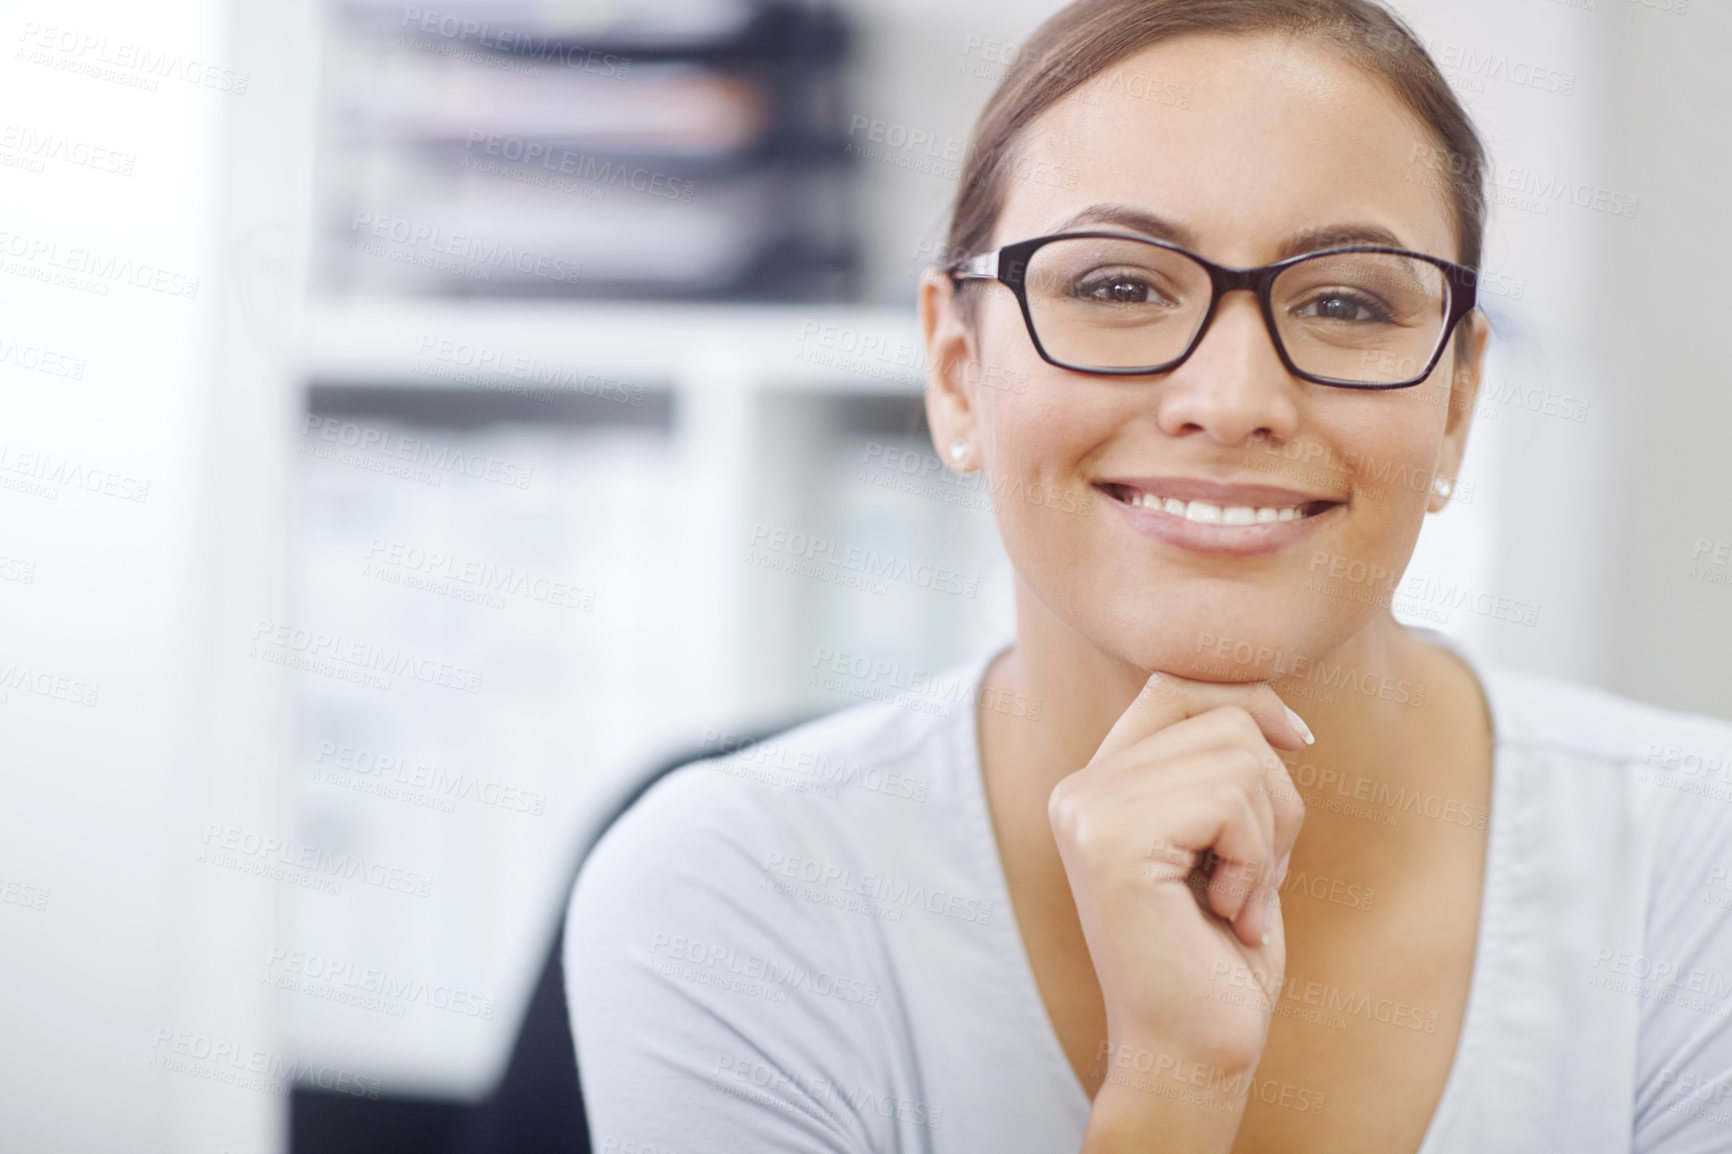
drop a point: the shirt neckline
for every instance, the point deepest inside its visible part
(1491, 893)
(1490, 911)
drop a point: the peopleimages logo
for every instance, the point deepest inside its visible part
(23, 678)
(807, 770)
(463, 246)
(248, 851)
(309, 649)
(1389, 799)
(418, 781)
(924, 690)
(388, 445)
(757, 967)
(585, 167)
(398, 563)
(37, 359)
(37, 148)
(477, 362)
(877, 887)
(317, 975)
(139, 64)
(41, 474)
(498, 38)
(250, 1067)
(42, 254)
(1298, 666)
(868, 564)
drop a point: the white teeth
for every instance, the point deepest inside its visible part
(1206, 513)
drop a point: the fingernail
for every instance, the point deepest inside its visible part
(1299, 724)
(1281, 868)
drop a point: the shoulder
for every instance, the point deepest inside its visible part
(1575, 721)
(854, 787)
(733, 907)
(1604, 774)
(832, 772)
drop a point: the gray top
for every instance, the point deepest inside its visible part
(809, 945)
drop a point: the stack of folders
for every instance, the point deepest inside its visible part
(686, 149)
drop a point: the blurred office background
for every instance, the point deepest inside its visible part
(427, 474)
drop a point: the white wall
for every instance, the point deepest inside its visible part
(1663, 319)
(178, 402)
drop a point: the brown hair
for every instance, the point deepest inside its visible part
(1090, 36)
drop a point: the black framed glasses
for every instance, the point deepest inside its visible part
(1359, 316)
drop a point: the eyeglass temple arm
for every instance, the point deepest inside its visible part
(983, 266)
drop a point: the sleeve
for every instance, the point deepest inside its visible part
(1683, 1089)
(711, 1009)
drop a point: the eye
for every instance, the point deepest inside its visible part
(1344, 306)
(1120, 287)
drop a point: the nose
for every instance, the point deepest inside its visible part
(1233, 388)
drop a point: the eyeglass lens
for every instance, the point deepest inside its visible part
(1102, 303)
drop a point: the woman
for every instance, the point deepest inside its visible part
(1082, 914)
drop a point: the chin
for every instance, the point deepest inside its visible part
(1230, 648)
(1187, 662)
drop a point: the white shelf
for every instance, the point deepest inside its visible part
(424, 343)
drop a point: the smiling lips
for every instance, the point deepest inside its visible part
(1215, 517)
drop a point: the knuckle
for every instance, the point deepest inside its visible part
(1241, 723)
(1281, 783)
(1248, 764)
(1074, 819)
(1227, 797)
(1095, 845)
(1242, 875)
(1062, 800)
(1250, 811)
(1061, 807)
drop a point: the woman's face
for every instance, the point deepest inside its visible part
(1246, 150)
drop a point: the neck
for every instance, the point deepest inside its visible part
(1376, 693)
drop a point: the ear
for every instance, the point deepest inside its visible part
(1469, 365)
(952, 412)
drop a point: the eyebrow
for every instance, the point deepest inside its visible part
(1149, 224)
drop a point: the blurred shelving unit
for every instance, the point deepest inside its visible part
(559, 429)
(687, 148)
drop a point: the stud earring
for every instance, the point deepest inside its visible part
(1442, 486)
(959, 449)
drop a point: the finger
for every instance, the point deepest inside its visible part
(1224, 740)
(1222, 727)
(1219, 730)
(1216, 802)
(1256, 917)
(1166, 699)
(1189, 797)
(1263, 906)
(1239, 886)
(1288, 809)
(1273, 950)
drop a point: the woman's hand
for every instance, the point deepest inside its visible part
(1174, 839)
